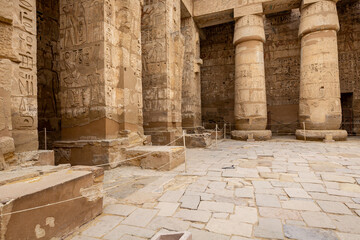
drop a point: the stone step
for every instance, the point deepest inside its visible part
(54, 220)
(163, 158)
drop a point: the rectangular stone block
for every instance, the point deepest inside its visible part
(81, 204)
(161, 158)
(248, 10)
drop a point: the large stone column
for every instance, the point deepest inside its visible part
(191, 84)
(162, 54)
(320, 105)
(100, 80)
(250, 92)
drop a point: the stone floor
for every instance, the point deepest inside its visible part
(280, 189)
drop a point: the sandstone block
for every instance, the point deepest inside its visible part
(319, 135)
(50, 221)
(161, 158)
(258, 135)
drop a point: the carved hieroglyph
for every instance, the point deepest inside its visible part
(100, 79)
(250, 92)
(191, 86)
(162, 54)
(320, 106)
(24, 86)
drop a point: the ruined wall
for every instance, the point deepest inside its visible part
(218, 75)
(349, 56)
(191, 85)
(100, 79)
(282, 70)
(48, 71)
(162, 54)
(24, 85)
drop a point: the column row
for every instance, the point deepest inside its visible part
(319, 105)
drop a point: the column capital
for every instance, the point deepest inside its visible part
(318, 16)
(249, 27)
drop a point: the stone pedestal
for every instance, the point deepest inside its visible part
(250, 135)
(320, 105)
(319, 135)
(250, 92)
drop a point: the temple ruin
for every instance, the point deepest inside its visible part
(97, 82)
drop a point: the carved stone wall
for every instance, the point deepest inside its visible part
(349, 55)
(24, 85)
(162, 54)
(282, 70)
(48, 71)
(191, 86)
(218, 75)
(100, 59)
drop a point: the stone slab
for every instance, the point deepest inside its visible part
(320, 135)
(162, 158)
(258, 135)
(52, 188)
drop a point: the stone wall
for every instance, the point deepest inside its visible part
(218, 75)
(48, 71)
(282, 70)
(282, 67)
(349, 56)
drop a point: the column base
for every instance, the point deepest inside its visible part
(320, 135)
(251, 135)
(161, 138)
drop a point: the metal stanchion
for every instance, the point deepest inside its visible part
(216, 135)
(304, 131)
(224, 130)
(184, 133)
(45, 139)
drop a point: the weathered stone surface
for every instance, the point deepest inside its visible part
(161, 158)
(319, 135)
(317, 219)
(140, 217)
(297, 232)
(193, 215)
(229, 227)
(46, 189)
(269, 228)
(258, 135)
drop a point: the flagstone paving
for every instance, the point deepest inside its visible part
(279, 189)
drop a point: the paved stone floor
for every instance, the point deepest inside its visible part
(280, 189)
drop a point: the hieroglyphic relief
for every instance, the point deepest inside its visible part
(81, 61)
(24, 100)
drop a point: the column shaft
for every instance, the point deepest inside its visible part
(250, 92)
(320, 105)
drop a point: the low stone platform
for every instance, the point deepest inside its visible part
(320, 135)
(163, 158)
(196, 140)
(40, 189)
(258, 135)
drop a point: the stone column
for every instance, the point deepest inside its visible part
(162, 54)
(250, 93)
(191, 85)
(320, 105)
(100, 80)
(8, 63)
